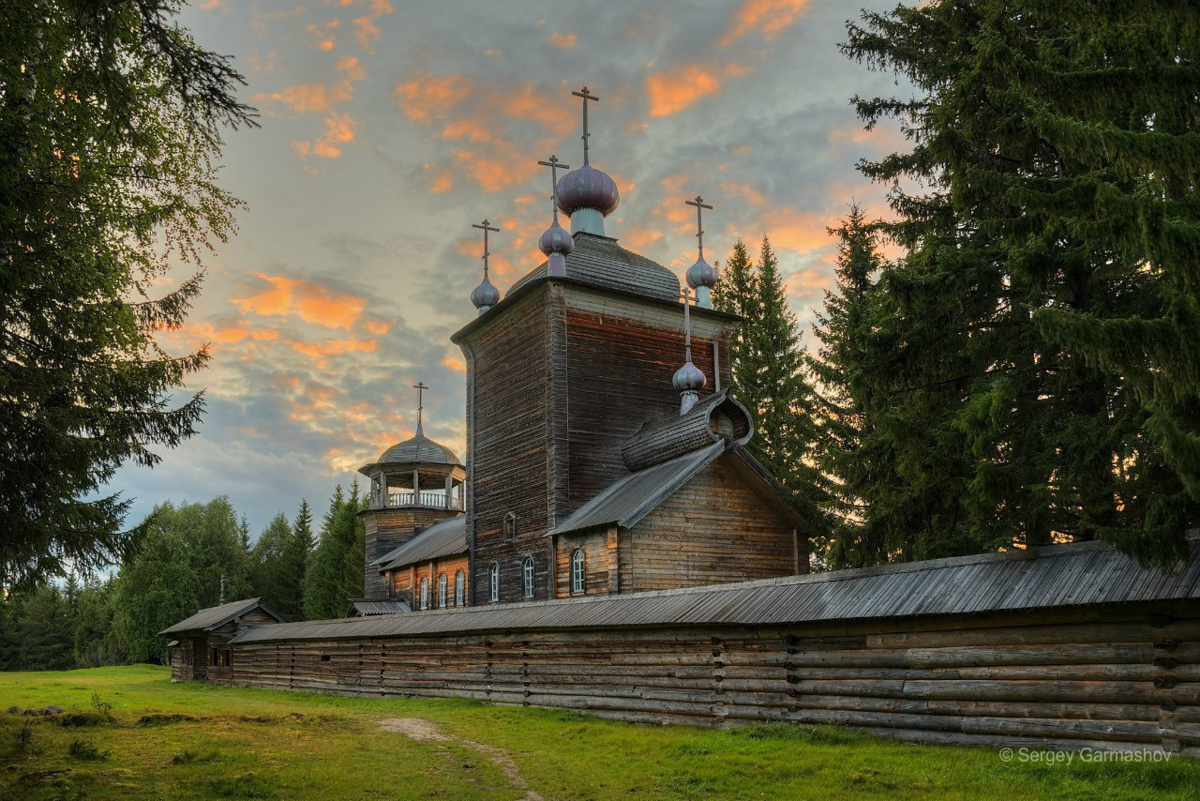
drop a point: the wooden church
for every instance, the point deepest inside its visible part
(600, 457)
(607, 544)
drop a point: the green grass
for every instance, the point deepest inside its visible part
(192, 740)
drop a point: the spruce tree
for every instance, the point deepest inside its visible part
(1047, 316)
(768, 369)
(295, 562)
(269, 579)
(110, 123)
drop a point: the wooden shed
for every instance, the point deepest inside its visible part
(200, 644)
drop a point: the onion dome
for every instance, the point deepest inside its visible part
(701, 274)
(485, 296)
(556, 239)
(689, 378)
(587, 188)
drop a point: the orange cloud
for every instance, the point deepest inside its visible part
(747, 192)
(307, 300)
(563, 40)
(320, 352)
(350, 66)
(769, 17)
(426, 97)
(365, 29)
(494, 173)
(312, 97)
(526, 103)
(792, 229)
(457, 365)
(640, 237)
(442, 181)
(670, 92)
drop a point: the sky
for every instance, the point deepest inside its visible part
(388, 127)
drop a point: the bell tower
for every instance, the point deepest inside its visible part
(574, 360)
(413, 484)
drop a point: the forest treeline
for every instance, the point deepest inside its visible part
(191, 556)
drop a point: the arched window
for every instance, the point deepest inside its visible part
(460, 588)
(510, 526)
(425, 592)
(577, 585)
(442, 591)
(494, 581)
(527, 576)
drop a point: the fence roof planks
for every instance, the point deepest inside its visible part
(1045, 578)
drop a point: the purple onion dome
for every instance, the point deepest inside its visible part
(689, 378)
(485, 295)
(587, 188)
(701, 274)
(556, 239)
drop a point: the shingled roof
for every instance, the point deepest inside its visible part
(717, 418)
(1053, 577)
(217, 616)
(600, 261)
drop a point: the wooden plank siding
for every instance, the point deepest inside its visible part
(551, 400)
(408, 582)
(507, 454)
(1114, 679)
(714, 530)
(386, 530)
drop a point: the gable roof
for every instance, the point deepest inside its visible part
(217, 616)
(444, 538)
(1053, 577)
(636, 495)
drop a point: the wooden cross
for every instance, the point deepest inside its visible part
(555, 165)
(485, 227)
(420, 388)
(699, 204)
(586, 97)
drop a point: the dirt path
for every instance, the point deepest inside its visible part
(429, 732)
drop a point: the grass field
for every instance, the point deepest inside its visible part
(130, 733)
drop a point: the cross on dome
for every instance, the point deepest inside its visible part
(701, 276)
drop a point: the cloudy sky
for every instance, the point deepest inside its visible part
(389, 126)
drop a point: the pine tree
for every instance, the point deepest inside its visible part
(1047, 316)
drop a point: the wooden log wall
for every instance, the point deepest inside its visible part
(1114, 681)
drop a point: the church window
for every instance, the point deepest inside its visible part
(510, 526)
(460, 588)
(442, 591)
(425, 592)
(494, 581)
(577, 581)
(527, 576)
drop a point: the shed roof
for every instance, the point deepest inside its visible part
(365, 608)
(217, 616)
(445, 538)
(1043, 578)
